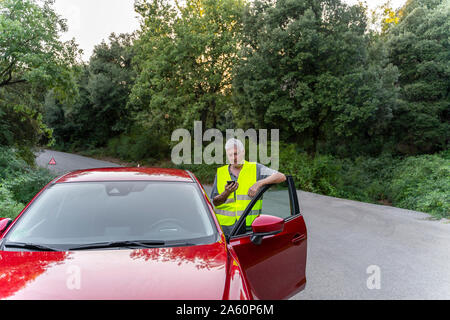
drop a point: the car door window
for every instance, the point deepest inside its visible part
(278, 200)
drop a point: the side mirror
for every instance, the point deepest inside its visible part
(266, 226)
(4, 224)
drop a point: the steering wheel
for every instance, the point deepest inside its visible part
(170, 222)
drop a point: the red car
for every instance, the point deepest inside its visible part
(146, 233)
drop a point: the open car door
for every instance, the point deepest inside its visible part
(275, 261)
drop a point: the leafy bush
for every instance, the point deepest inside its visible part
(10, 163)
(8, 207)
(319, 174)
(205, 173)
(417, 183)
(139, 144)
(366, 179)
(25, 186)
(19, 182)
(422, 183)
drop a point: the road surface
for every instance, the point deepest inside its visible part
(66, 162)
(355, 250)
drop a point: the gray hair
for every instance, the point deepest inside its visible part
(234, 143)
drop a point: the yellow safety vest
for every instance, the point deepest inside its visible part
(231, 210)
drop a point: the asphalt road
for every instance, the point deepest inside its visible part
(355, 250)
(66, 162)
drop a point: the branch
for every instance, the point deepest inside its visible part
(9, 82)
(17, 81)
(8, 69)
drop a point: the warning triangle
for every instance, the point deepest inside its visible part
(52, 162)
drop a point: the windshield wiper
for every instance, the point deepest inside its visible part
(31, 246)
(179, 244)
(118, 244)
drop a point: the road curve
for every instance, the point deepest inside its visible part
(66, 162)
(350, 243)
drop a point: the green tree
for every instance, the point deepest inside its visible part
(111, 78)
(30, 48)
(306, 69)
(69, 119)
(185, 56)
(100, 112)
(420, 48)
(32, 60)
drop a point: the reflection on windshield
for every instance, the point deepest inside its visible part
(90, 212)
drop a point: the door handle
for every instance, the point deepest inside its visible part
(298, 238)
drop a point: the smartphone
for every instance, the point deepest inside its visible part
(230, 182)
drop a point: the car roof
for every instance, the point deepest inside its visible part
(126, 174)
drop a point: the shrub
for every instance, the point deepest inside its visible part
(140, 144)
(417, 183)
(25, 186)
(422, 183)
(205, 173)
(366, 179)
(8, 207)
(319, 174)
(10, 163)
(19, 181)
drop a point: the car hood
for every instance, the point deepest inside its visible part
(195, 272)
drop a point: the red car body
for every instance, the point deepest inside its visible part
(234, 268)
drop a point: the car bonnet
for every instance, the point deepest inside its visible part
(194, 272)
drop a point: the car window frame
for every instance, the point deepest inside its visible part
(293, 204)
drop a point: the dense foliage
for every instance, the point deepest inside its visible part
(308, 65)
(317, 70)
(185, 57)
(99, 111)
(419, 46)
(32, 60)
(19, 182)
(420, 183)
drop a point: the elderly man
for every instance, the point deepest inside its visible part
(236, 184)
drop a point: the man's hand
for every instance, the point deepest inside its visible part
(254, 190)
(229, 189)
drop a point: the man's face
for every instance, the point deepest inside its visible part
(235, 156)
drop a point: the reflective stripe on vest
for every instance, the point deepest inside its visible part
(231, 210)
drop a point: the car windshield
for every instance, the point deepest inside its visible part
(74, 214)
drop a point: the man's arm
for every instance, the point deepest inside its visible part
(274, 178)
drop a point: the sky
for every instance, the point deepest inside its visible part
(91, 21)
